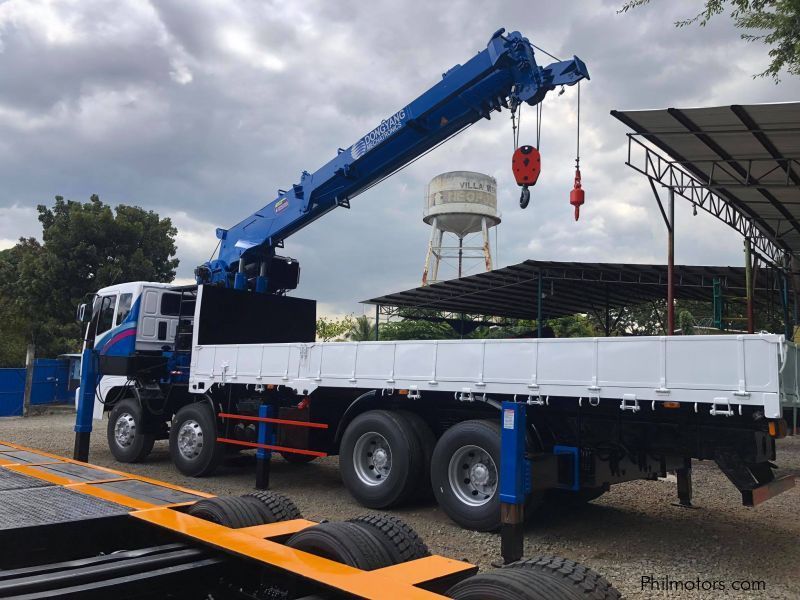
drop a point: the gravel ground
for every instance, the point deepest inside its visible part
(630, 533)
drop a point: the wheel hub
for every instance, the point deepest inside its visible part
(190, 439)
(125, 430)
(372, 458)
(472, 474)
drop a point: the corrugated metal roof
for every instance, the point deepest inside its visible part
(747, 154)
(571, 288)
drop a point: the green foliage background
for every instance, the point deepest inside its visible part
(85, 246)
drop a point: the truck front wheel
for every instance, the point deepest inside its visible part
(465, 474)
(127, 439)
(193, 440)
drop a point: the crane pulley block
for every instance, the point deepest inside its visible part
(526, 164)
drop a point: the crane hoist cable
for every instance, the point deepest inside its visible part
(577, 195)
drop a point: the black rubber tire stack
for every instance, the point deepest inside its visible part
(542, 578)
(231, 511)
(397, 536)
(347, 543)
(275, 507)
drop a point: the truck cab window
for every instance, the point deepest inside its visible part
(106, 318)
(170, 305)
(124, 308)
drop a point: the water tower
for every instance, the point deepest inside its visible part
(459, 203)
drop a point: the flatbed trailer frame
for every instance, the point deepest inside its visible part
(158, 505)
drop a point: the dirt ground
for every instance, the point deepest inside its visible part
(629, 534)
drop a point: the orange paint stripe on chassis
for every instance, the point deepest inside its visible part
(364, 584)
(235, 417)
(98, 467)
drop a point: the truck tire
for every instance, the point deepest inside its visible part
(428, 443)
(231, 511)
(277, 507)
(544, 578)
(343, 542)
(465, 474)
(381, 458)
(397, 536)
(125, 432)
(193, 440)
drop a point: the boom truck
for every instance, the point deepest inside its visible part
(232, 362)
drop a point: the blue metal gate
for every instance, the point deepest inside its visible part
(50, 385)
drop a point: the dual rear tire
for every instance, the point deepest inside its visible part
(390, 457)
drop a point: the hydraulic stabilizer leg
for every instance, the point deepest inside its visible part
(514, 481)
(83, 417)
(684, 475)
(264, 456)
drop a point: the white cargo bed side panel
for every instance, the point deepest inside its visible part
(416, 361)
(721, 371)
(515, 364)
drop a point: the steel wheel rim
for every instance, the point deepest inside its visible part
(190, 439)
(125, 430)
(372, 458)
(472, 475)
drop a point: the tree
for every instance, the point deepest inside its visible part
(85, 246)
(415, 329)
(777, 20)
(329, 329)
(361, 330)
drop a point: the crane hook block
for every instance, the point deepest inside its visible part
(576, 196)
(526, 164)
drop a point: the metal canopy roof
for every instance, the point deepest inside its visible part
(571, 288)
(747, 155)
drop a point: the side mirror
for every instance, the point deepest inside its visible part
(83, 315)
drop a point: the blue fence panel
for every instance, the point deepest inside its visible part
(50, 385)
(12, 387)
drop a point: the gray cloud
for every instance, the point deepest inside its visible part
(202, 111)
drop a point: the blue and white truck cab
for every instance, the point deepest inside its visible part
(135, 331)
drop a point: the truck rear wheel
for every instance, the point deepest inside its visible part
(127, 439)
(193, 440)
(381, 458)
(465, 474)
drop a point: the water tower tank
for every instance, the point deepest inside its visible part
(459, 201)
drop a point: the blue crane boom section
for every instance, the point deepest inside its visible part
(503, 75)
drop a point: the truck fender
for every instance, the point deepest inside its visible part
(364, 402)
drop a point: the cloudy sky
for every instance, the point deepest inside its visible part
(202, 110)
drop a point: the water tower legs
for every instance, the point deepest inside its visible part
(436, 252)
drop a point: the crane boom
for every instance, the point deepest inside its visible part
(503, 75)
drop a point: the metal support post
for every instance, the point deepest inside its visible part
(83, 418)
(264, 456)
(377, 322)
(748, 279)
(671, 264)
(539, 294)
(240, 281)
(787, 325)
(261, 280)
(684, 475)
(30, 359)
(514, 481)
